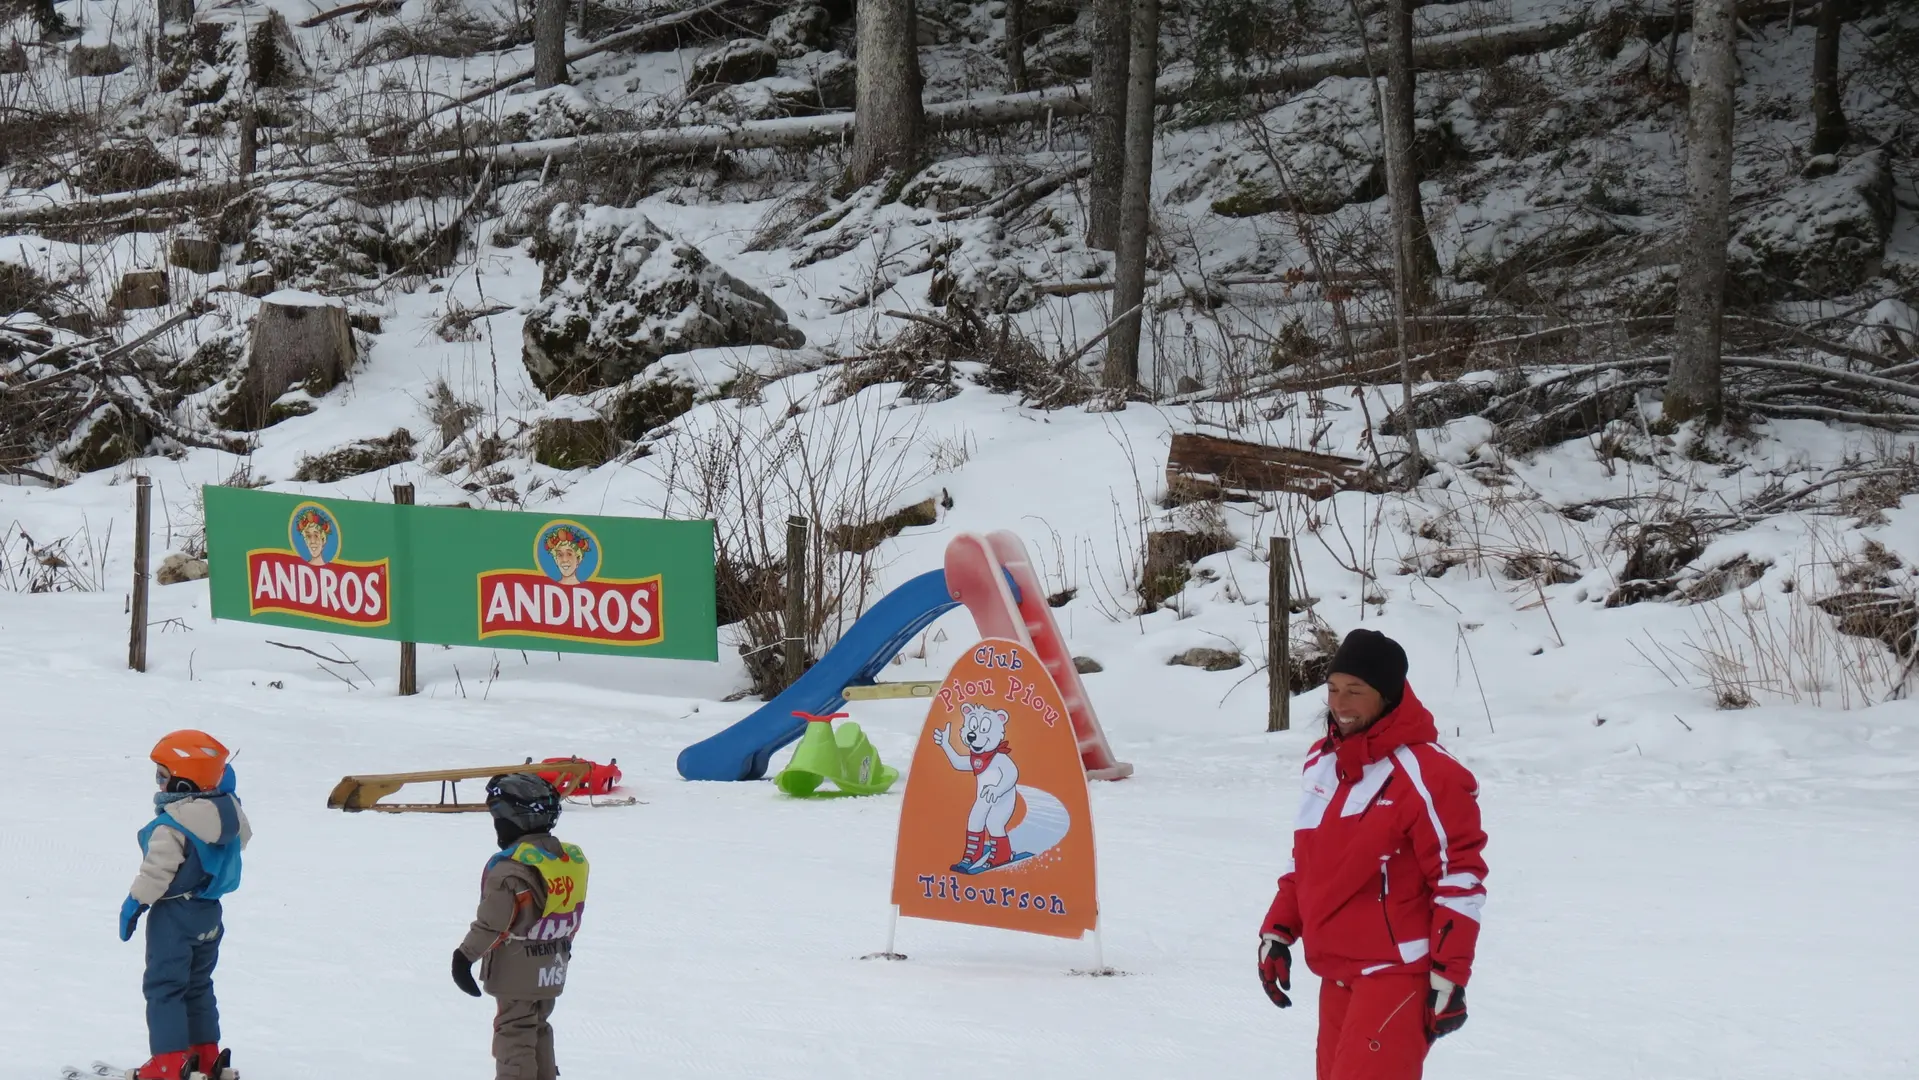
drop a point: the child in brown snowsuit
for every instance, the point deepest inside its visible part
(532, 895)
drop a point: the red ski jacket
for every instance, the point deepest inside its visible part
(1387, 870)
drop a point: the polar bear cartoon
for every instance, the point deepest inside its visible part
(996, 778)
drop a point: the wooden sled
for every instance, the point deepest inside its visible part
(356, 793)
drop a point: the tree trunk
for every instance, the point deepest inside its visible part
(1015, 46)
(173, 44)
(889, 123)
(1829, 119)
(1413, 246)
(549, 43)
(295, 339)
(1136, 192)
(249, 139)
(1112, 57)
(1693, 388)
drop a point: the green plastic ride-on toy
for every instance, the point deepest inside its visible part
(843, 755)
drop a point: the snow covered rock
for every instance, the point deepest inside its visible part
(1327, 141)
(567, 443)
(835, 79)
(1824, 237)
(356, 459)
(93, 61)
(140, 289)
(1208, 659)
(619, 292)
(741, 61)
(176, 569)
(199, 254)
(800, 31)
(313, 235)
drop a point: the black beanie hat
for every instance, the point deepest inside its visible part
(1375, 659)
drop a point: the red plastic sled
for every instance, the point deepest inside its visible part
(600, 779)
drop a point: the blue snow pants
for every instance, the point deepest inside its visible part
(183, 945)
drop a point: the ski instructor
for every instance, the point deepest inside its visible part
(1386, 880)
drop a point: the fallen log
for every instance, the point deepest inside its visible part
(378, 7)
(1451, 51)
(1206, 466)
(638, 35)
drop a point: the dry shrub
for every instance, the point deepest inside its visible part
(447, 30)
(76, 563)
(124, 165)
(748, 467)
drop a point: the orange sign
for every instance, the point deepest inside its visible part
(995, 828)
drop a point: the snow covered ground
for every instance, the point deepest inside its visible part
(1677, 891)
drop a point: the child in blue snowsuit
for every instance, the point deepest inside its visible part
(190, 858)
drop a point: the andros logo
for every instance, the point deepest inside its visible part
(310, 579)
(566, 598)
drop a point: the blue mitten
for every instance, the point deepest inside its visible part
(130, 917)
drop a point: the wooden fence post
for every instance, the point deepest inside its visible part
(409, 652)
(142, 528)
(794, 637)
(1279, 612)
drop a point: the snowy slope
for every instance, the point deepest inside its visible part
(1677, 891)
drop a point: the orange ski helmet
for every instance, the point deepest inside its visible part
(192, 756)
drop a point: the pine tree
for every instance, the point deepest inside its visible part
(889, 122)
(1693, 389)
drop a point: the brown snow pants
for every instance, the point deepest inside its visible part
(523, 1040)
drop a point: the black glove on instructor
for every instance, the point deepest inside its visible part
(1445, 1008)
(1276, 968)
(463, 974)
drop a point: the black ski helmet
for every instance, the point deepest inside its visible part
(524, 801)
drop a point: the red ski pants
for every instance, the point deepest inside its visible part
(1373, 1028)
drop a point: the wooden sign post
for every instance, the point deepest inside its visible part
(142, 540)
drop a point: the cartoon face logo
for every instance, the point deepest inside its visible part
(984, 728)
(314, 534)
(567, 552)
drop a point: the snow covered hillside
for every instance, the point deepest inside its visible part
(1679, 659)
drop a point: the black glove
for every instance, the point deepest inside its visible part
(1276, 968)
(463, 974)
(1445, 1008)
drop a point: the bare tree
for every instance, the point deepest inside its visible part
(889, 125)
(1413, 245)
(1112, 59)
(549, 43)
(1129, 279)
(173, 42)
(1828, 117)
(1015, 46)
(1693, 388)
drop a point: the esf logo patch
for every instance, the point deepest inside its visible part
(310, 578)
(566, 598)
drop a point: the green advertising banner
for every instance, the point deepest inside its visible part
(448, 576)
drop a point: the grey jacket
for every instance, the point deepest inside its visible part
(167, 847)
(523, 953)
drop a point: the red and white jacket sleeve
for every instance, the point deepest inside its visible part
(1450, 845)
(1283, 918)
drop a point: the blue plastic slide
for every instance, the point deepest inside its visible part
(743, 751)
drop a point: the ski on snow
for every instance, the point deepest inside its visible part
(100, 1070)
